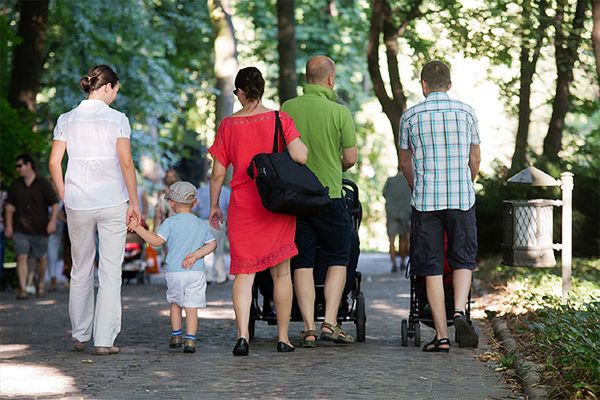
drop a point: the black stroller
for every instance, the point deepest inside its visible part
(420, 310)
(352, 306)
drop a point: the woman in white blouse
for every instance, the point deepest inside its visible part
(99, 191)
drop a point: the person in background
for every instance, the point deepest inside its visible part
(99, 191)
(440, 157)
(29, 223)
(259, 239)
(216, 271)
(190, 240)
(397, 196)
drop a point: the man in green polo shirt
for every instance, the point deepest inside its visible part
(328, 131)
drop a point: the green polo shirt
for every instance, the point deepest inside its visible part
(325, 127)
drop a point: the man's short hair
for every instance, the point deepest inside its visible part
(436, 75)
(27, 159)
(318, 69)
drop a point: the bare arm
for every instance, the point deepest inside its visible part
(298, 151)
(203, 251)
(349, 157)
(55, 166)
(217, 178)
(152, 238)
(128, 171)
(406, 165)
(474, 160)
(9, 212)
(51, 227)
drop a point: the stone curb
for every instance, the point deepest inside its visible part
(528, 372)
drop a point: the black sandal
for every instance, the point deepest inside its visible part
(434, 346)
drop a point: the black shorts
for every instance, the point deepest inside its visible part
(329, 233)
(427, 240)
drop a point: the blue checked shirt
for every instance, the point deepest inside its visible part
(440, 132)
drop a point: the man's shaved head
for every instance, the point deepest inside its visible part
(318, 69)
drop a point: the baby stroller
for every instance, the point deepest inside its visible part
(352, 306)
(134, 263)
(420, 310)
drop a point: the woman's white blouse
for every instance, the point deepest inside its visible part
(94, 179)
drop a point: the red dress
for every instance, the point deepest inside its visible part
(258, 238)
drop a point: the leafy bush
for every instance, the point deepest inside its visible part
(18, 137)
(565, 339)
(567, 342)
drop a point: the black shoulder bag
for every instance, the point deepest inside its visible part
(284, 185)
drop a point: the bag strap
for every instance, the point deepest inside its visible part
(278, 134)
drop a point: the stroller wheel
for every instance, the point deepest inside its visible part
(252, 323)
(404, 333)
(417, 334)
(361, 318)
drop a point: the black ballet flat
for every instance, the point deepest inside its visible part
(283, 347)
(241, 347)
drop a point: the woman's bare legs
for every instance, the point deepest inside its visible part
(242, 298)
(282, 297)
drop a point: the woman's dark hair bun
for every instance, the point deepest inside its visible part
(251, 81)
(97, 77)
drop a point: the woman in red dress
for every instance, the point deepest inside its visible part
(259, 239)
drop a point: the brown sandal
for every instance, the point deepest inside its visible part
(308, 343)
(337, 335)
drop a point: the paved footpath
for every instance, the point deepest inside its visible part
(37, 361)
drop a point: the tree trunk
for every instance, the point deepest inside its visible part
(528, 60)
(393, 106)
(225, 57)
(28, 56)
(596, 36)
(519, 159)
(286, 48)
(566, 55)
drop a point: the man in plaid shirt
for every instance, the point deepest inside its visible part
(440, 156)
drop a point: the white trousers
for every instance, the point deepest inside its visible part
(105, 320)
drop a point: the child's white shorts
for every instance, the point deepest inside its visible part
(186, 289)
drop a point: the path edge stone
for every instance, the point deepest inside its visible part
(527, 371)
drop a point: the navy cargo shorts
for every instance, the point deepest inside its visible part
(329, 233)
(427, 240)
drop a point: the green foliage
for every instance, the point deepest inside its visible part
(567, 339)
(160, 49)
(17, 138)
(8, 39)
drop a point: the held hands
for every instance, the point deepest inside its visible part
(215, 217)
(133, 223)
(134, 217)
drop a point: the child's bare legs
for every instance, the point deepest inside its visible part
(175, 317)
(191, 321)
(176, 333)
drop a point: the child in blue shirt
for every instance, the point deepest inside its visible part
(189, 240)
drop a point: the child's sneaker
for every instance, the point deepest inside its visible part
(189, 346)
(175, 342)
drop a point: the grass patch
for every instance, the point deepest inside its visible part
(565, 339)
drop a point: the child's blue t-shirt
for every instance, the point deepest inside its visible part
(184, 233)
